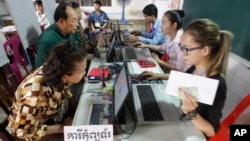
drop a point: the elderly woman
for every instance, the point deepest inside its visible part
(38, 99)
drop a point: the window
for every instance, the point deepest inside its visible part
(86, 2)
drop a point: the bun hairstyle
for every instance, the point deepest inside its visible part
(62, 60)
(175, 16)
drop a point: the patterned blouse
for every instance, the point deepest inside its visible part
(33, 104)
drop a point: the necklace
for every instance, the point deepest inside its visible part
(201, 74)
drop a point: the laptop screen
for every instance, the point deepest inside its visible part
(121, 91)
(112, 56)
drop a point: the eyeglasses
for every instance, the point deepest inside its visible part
(186, 50)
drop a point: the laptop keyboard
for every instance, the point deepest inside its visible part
(130, 53)
(150, 108)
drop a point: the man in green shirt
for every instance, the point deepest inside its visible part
(66, 22)
(65, 26)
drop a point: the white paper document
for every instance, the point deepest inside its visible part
(202, 88)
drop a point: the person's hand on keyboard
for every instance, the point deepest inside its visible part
(133, 38)
(156, 57)
(149, 75)
(140, 44)
(135, 32)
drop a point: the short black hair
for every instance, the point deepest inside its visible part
(60, 11)
(150, 10)
(38, 2)
(98, 2)
(74, 5)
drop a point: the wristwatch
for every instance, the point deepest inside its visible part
(191, 115)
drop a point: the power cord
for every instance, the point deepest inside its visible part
(134, 125)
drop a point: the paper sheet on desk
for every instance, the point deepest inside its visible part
(138, 70)
(205, 88)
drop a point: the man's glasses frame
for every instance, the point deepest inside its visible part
(186, 50)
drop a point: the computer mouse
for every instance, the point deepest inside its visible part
(142, 77)
(137, 44)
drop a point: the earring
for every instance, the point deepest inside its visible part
(64, 80)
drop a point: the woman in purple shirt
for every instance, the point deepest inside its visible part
(171, 24)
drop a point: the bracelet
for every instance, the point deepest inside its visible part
(191, 115)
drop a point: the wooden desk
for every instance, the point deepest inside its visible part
(181, 131)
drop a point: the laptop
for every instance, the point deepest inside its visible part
(120, 93)
(131, 54)
(121, 33)
(170, 113)
(152, 105)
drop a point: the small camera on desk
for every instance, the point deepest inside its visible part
(94, 79)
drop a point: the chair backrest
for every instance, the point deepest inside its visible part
(6, 95)
(19, 56)
(224, 132)
(233, 116)
(16, 45)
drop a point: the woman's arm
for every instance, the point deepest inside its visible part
(156, 48)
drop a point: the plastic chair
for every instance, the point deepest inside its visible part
(16, 45)
(6, 95)
(224, 132)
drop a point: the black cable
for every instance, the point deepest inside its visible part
(133, 117)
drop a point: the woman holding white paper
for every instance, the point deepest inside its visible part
(205, 48)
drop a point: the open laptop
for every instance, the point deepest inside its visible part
(170, 113)
(133, 53)
(121, 92)
(152, 105)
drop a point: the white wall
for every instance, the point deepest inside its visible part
(23, 15)
(238, 82)
(133, 9)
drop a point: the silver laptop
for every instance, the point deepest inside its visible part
(133, 53)
(170, 113)
(121, 92)
(152, 105)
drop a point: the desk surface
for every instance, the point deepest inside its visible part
(181, 131)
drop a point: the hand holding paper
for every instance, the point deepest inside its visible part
(202, 88)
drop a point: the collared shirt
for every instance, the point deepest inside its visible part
(48, 39)
(42, 19)
(95, 18)
(155, 37)
(33, 104)
(171, 48)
